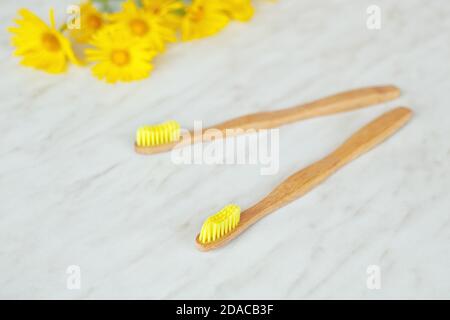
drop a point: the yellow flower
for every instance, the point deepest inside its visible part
(204, 18)
(41, 46)
(118, 56)
(139, 23)
(170, 11)
(241, 10)
(91, 21)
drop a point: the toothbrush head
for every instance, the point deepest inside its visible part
(156, 135)
(220, 224)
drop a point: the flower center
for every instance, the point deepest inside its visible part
(196, 14)
(94, 22)
(139, 27)
(120, 57)
(50, 42)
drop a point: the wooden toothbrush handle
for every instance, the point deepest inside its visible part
(304, 180)
(341, 102)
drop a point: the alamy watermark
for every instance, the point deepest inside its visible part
(228, 147)
(373, 281)
(373, 21)
(74, 17)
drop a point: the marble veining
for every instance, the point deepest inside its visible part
(73, 192)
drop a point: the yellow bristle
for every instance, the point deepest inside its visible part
(220, 224)
(150, 136)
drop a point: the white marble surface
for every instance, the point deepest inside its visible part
(73, 192)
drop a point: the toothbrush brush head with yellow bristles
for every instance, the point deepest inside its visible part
(157, 138)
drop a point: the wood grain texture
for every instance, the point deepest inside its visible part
(341, 102)
(306, 179)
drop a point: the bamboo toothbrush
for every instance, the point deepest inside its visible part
(228, 223)
(166, 136)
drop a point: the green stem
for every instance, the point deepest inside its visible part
(105, 5)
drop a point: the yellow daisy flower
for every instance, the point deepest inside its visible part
(204, 18)
(91, 21)
(118, 56)
(41, 46)
(139, 23)
(170, 11)
(241, 10)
